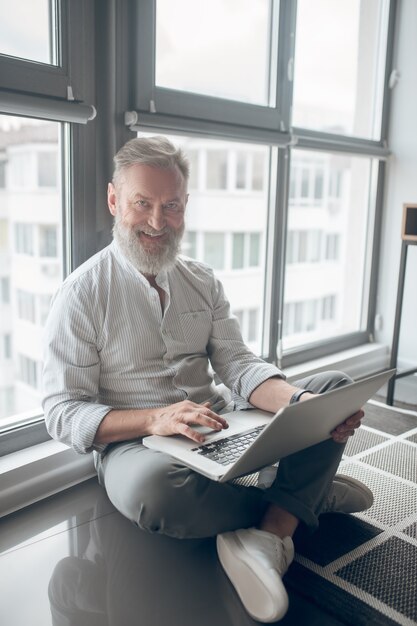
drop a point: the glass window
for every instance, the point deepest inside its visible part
(26, 306)
(213, 218)
(254, 249)
(44, 305)
(216, 169)
(241, 165)
(214, 253)
(189, 244)
(4, 234)
(339, 66)
(328, 310)
(253, 315)
(48, 244)
(24, 238)
(7, 346)
(332, 246)
(202, 47)
(27, 30)
(347, 218)
(193, 181)
(238, 258)
(25, 286)
(2, 174)
(4, 290)
(258, 171)
(28, 371)
(47, 169)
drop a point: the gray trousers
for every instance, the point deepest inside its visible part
(159, 494)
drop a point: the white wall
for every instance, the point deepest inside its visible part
(401, 186)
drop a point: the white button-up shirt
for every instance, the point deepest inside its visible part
(109, 345)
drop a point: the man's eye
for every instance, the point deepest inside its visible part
(142, 203)
(171, 206)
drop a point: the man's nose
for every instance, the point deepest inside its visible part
(156, 218)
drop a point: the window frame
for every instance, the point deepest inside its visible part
(42, 91)
(167, 110)
(96, 46)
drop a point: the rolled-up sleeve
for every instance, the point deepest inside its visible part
(237, 367)
(72, 371)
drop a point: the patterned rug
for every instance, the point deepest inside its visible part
(362, 568)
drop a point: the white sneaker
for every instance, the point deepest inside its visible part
(255, 561)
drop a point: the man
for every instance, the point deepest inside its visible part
(129, 341)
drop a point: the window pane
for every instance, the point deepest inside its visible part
(254, 249)
(202, 47)
(214, 250)
(212, 221)
(189, 244)
(238, 258)
(327, 265)
(30, 258)
(48, 244)
(339, 66)
(216, 169)
(47, 173)
(241, 162)
(27, 30)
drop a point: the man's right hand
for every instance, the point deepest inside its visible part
(178, 418)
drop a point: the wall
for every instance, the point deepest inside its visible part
(401, 186)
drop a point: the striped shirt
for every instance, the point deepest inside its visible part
(109, 345)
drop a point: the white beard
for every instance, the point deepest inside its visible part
(150, 263)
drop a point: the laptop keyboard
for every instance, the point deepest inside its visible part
(229, 449)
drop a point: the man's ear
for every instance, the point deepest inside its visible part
(186, 198)
(111, 199)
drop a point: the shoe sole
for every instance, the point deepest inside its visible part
(258, 596)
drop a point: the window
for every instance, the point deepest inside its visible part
(238, 250)
(44, 306)
(254, 249)
(24, 238)
(28, 371)
(217, 169)
(47, 169)
(7, 346)
(48, 241)
(35, 43)
(24, 287)
(2, 174)
(4, 290)
(332, 246)
(212, 56)
(338, 84)
(4, 235)
(189, 244)
(246, 250)
(26, 308)
(249, 323)
(348, 273)
(211, 235)
(214, 253)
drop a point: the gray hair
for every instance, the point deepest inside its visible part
(156, 151)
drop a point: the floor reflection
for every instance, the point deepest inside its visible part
(118, 575)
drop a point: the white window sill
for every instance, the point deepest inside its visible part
(34, 473)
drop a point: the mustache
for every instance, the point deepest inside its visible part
(151, 231)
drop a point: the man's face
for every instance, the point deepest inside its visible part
(148, 204)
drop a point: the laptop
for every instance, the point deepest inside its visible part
(257, 438)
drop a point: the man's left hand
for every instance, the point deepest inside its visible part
(347, 428)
